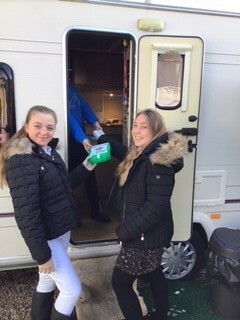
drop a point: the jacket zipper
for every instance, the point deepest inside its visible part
(124, 207)
(123, 214)
(124, 204)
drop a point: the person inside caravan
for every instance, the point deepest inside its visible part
(80, 111)
(142, 194)
(45, 211)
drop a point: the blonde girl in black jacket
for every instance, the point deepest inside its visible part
(45, 212)
(142, 195)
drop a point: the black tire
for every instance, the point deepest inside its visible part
(184, 260)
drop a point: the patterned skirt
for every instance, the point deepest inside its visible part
(139, 261)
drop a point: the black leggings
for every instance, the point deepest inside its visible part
(127, 299)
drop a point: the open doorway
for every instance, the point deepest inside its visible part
(99, 67)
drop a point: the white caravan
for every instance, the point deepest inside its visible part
(124, 57)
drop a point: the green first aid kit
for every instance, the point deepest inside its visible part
(100, 153)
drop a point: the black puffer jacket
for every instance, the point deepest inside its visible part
(41, 191)
(145, 197)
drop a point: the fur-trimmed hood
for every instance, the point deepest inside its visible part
(24, 145)
(169, 151)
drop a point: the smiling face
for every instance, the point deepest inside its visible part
(142, 133)
(41, 128)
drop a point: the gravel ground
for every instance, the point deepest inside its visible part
(16, 293)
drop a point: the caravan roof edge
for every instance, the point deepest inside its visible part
(148, 5)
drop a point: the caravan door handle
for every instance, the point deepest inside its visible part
(188, 131)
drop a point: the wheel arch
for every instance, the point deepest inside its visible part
(197, 227)
(203, 224)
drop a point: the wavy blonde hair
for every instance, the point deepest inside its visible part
(18, 135)
(158, 128)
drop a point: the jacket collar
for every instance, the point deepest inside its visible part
(25, 145)
(167, 149)
(36, 148)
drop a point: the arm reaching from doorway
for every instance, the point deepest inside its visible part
(80, 111)
(98, 133)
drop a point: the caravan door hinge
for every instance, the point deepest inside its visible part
(191, 146)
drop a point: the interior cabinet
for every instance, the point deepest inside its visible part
(98, 70)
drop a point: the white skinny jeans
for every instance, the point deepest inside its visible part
(64, 277)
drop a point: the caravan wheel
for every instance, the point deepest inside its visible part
(184, 260)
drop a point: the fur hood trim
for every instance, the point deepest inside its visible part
(168, 153)
(19, 146)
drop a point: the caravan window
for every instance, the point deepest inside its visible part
(7, 107)
(169, 80)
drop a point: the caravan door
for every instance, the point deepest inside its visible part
(169, 80)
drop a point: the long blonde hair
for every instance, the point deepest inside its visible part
(18, 135)
(158, 128)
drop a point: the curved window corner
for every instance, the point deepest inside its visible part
(7, 103)
(169, 80)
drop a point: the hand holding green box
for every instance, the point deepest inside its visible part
(100, 153)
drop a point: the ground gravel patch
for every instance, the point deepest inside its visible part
(16, 293)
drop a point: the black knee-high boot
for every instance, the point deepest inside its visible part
(42, 304)
(59, 316)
